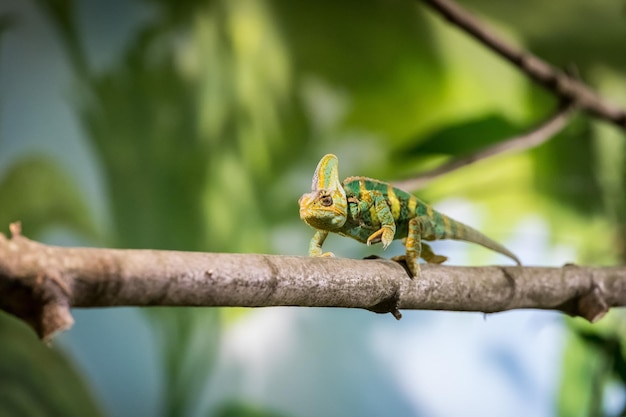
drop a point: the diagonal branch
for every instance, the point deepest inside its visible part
(39, 283)
(549, 77)
(529, 140)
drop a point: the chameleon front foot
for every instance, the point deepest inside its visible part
(384, 234)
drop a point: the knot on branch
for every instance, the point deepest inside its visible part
(590, 305)
(388, 305)
(41, 300)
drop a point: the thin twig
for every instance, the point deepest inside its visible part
(552, 79)
(31, 273)
(519, 143)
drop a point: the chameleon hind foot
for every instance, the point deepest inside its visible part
(411, 259)
(317, 253)
(429, 256)
(413, 267)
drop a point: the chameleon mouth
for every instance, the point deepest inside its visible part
(328, 219)
(316, 222)
(306, 212)
(338, 212)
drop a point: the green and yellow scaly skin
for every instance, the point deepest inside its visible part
(373, 211)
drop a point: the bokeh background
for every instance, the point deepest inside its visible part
(196, 125)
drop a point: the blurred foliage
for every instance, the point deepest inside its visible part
(562, 31)
(206, 120)
(186, 330)
(595, 369)
(581, 190)
(47, 197)
(185, 133)
(384, 58)
(37, 380)
(462, 138)
(242, 409)
(6, 21)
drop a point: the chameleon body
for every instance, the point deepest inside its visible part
(373, 211)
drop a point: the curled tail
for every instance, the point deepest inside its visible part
(458, 231)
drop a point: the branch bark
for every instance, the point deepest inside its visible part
(39, 283)
(529, 140)
(549, 77)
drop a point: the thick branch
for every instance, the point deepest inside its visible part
(552, 79)
(39, 283)
(529, 140)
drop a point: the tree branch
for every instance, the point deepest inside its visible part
(552, 79)
(520, 143)
(39, 283)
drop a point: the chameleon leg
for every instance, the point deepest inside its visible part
(414, 246)
(429, 256)
(315, 247)
(387, 229)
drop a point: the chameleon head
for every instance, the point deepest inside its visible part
(326, 206)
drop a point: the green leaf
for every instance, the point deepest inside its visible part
(235, 408)
(37, 380)
(37, 192)
(462, 138)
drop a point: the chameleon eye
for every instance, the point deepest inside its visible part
(326, 201)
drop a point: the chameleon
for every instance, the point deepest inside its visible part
(373, 211)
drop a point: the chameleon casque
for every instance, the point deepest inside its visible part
(373, 211)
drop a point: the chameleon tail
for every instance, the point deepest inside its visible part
(459, 231)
